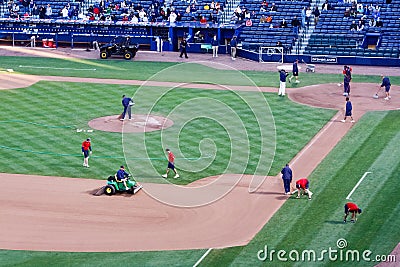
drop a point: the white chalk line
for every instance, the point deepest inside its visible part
(359, 182)
(38, 67)
(202, 257)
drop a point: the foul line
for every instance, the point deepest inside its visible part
(359, 182)
(202, 257)
(38, 67)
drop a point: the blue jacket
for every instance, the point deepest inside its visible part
(121, 174)
(349, 106)
(214, 42)
(125, 101)
(233, 42)
(295, 68)
(286, 173)
(386, 82)
(282, 76)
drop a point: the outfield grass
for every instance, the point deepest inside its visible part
(138, 70)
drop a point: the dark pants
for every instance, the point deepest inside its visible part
(286, 185)
(183, 51)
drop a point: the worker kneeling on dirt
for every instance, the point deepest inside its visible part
(122, 176)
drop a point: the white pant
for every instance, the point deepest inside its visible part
(215, 51)
(282, 88)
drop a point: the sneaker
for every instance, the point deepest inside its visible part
(121, 119)
(87, 166)
(309, 198)
(176, 176)
(386, 98)
(343, 121)
(84, 165)
(352, 120)
(130, 119)
(344, 221)
(389, 97)
(164, 176)
(353, 221)
(298, 197)
(297, 81)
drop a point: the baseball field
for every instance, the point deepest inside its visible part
(231, 135)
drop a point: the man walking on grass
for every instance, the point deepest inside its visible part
(171, 159)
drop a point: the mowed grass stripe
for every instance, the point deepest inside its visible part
(282, 231)
(383, 165)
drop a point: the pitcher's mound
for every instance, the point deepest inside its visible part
(139, 124)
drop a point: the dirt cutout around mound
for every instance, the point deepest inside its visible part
(139, 124)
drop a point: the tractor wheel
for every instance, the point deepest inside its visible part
(109, 190)
(128, 55)
(104, 55)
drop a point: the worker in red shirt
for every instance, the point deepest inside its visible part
(354, 209)
(171, 159)
(86, 150)
(303, 184)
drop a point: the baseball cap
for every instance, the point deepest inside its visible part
(359, 211)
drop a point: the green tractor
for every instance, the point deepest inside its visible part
(113, 186)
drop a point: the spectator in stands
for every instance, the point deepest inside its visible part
(308, 16)
(64, 12)
(269, 19)
(247, 14)
(303, 17)
(316, 14)
(135, 19)
(360, 26)
(372, 22)
(295, 24)
(42, 12)
(360, 9)
(49, 12)
(212, 18)
(193, 8)
(212, 5)
(347, 13)
(238, 12)
(264, 6)
(353, 26)
(283, 24)
(326, 6)
(178, 16)
(376, 13)
(142, 14)
(35, 11)
(14, 11)
(262, 19)
(379, 22)
(203, 20)
(172, 17)
(25, 5)
(217, 6)
(273, 8)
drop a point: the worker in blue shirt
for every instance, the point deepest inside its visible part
(386, 84)
(122, 176)
(282, 82)
(287, 178)
(127, 104)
